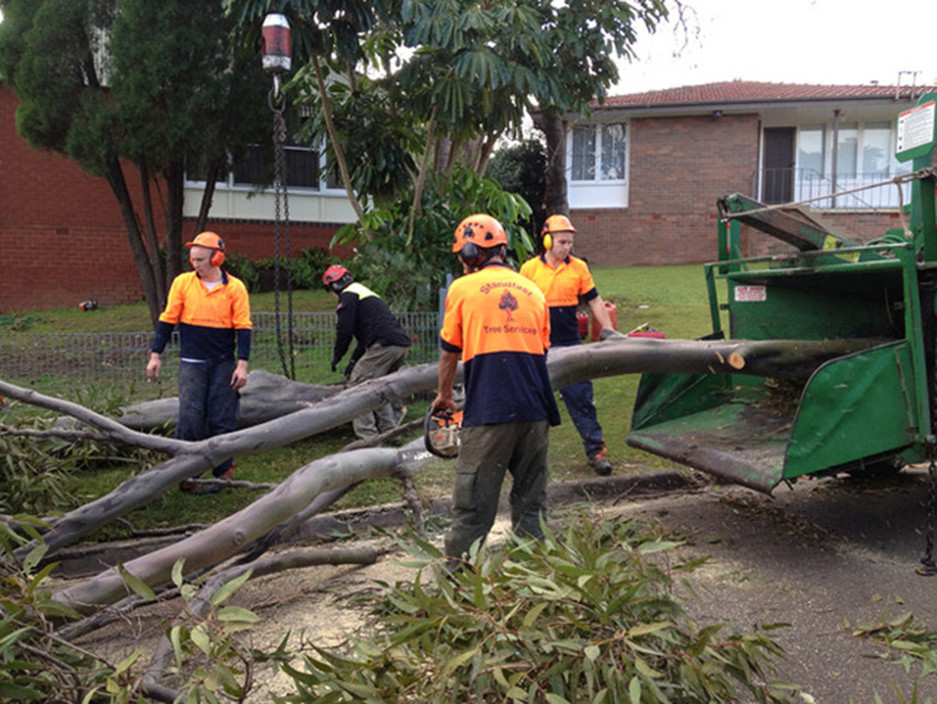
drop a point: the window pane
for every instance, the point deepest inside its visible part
(876, 149)
(255, 170)
(810, 152)
(613, 152)
(847, 148)
(302, 167)
(583, 153)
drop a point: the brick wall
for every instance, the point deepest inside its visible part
(62, 238)
(678, 167)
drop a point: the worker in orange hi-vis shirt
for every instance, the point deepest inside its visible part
(564, 279)
(498, 323)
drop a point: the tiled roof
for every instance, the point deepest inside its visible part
(750, 91)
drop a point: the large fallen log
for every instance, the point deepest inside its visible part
(776, 358)
(266, 396)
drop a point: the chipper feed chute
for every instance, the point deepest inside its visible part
(868, 409)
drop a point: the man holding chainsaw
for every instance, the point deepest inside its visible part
(382, 343)
(498, 323)
(563, 279)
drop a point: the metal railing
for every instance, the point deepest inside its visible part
(68, 364)
(795, 185)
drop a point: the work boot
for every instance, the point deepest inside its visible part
(599, 462)
(198, 488)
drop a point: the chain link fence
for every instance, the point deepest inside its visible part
(65, 364)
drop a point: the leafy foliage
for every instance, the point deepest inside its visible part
(37, 666)
(908, 643)
(409, 267)
(520, 168)
(37, 475)
(586, 616)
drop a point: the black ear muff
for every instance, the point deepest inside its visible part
(470, 254)
(547, 241)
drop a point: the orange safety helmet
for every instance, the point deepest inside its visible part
(475, 235)
(552, 225)
(481, 230)
(210, 240)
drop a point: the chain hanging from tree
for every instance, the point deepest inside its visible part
(277, 61)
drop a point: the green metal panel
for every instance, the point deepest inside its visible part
(854, 407)
(854, 410)
(724, 424)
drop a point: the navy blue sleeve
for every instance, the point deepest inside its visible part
(161, 337)
(244, 343)
(345, 330)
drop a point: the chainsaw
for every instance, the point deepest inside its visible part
(442, 432)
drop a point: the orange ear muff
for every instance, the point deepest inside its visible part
(547, 241)
(217, 258)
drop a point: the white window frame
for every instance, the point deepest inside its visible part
(598, 192)
(881, 197)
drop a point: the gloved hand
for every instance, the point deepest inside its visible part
(611, 333)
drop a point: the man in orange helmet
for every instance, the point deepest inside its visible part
(563, 279)
(497, 322)
(212, 310)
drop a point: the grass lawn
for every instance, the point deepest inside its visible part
(671, 299)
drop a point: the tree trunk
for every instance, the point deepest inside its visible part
(175, 197)
(266, 397)
(555, 195)
(774, 358)
(115, 178)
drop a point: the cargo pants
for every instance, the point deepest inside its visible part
(487, 453)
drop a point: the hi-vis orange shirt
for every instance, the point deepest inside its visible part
(210, 322)
(562, 287)
(499, 322)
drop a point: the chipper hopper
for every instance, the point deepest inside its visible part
(866, 411)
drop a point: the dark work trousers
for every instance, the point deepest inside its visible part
(208, 406)
(377, 361)
(487, 452)
(578, 398)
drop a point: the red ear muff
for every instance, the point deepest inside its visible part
(217, 258)
(547, 241)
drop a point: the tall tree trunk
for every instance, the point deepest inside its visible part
(152, 241)
(175, 187)
(215, 170)
(118, 184)
(336, 143)
(555, 196)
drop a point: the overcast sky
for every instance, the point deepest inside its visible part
(840, 42)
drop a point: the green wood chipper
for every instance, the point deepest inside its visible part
(871, 410)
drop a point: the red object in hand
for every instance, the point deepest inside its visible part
(612, 315)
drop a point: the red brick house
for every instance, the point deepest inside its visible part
(644, 170)
(62, 240)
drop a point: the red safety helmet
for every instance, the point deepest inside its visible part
(210, 240)
(336, 277)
